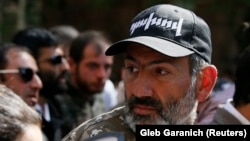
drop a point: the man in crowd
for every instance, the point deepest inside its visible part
(19, 72)
(167, 72)
(90, 69)
(54, 70)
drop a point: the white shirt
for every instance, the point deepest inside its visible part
(44, 111)
(109, 95)
(231, 109)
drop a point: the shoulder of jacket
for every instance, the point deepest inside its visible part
(92, 126)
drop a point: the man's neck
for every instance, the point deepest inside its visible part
(84, 93)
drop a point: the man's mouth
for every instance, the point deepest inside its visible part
(143, 109)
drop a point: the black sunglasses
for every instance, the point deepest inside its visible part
(56, 60)
(25, 73)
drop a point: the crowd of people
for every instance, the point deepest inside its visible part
(56, 86)
(64, 76)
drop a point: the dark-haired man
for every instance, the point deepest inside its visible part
(19, 72)
(90, 69)
(54, 70)
(167, 72)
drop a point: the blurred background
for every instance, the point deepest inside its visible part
(224, 17)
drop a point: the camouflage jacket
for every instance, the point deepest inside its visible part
(110, 122)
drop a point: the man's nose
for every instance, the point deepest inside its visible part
(142, 86)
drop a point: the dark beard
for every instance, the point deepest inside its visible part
(51, 89)
(82, 86)
(51, 86)
(146, 101)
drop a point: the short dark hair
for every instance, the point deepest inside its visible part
(242, 35)
(85, 38)
(35, 38)
(242, 83)
(4, 48)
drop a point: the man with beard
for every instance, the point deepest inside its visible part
(167, 72)
(54, 69)
(90, 69)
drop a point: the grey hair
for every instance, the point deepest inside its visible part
(196, 64)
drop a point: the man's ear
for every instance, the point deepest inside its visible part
(206, 82)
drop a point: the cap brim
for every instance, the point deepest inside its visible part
(161, 45)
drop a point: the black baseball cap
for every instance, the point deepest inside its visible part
(170, 30)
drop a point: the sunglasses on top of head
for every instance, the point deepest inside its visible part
(56, 60)
(25, 73)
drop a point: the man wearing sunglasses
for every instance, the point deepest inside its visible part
(54, 70)
(18, 71)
